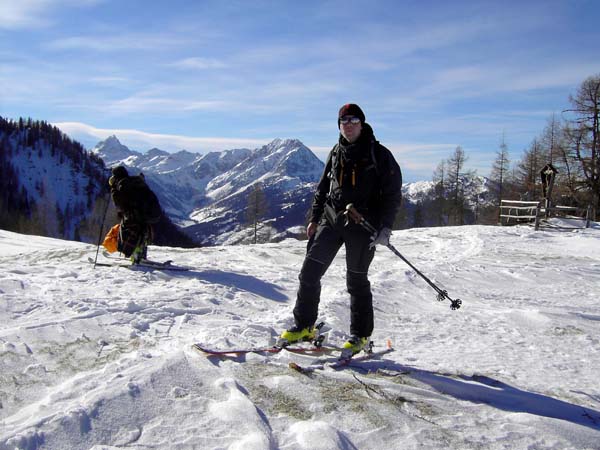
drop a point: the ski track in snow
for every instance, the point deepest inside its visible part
(101, 358)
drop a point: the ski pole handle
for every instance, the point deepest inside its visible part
(353, 214)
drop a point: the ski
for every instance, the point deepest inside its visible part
(236, 351)
(120, 258)
(266, 350)
(143, 264)
(340, 362)
(316, 346)
(103, 264)
(148, 262)
(110, 255)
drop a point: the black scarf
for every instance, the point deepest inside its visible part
(354, 152)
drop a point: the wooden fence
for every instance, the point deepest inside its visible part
(517, 211)
(526, 212)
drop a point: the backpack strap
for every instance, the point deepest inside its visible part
(336, 179)
(334, 182)
(373, 158)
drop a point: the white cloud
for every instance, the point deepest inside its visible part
(491, 79)
(142, 141)
(197, 63)
(23, 14)
(18, 14)
(110, 80)
(159, 104)
(121, 42)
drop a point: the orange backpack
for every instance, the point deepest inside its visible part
(112, 238)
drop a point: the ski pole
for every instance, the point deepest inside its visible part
(102, 227)
(357, 218)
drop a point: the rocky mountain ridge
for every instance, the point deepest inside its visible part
(207, 195)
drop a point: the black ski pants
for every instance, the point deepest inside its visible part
(322, 248)
(131, 234)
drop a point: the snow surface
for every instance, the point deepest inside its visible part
(101, 358)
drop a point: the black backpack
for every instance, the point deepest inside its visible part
(136, 199)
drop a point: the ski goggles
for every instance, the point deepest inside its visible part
(349, 119)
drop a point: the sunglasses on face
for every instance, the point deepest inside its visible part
(350, 119)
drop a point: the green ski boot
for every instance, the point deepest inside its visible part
(353, 346)
(296, 334)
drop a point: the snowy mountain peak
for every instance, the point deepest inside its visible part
(288, 159)
(112, 151)
(111, 142)
(278, 144)
(154, 160)
(299, 161)
(216, 163)
(112, 139)
(154, 152)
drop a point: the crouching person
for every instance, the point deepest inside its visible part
(138, 208)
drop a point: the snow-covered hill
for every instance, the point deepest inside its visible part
(101, 358)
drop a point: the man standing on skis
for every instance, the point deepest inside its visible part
(362, 172)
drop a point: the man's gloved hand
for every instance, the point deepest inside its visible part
(382, 238)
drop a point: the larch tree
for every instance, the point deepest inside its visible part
(256, 208)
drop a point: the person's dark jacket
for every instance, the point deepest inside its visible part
(135, 201)
(370, 179)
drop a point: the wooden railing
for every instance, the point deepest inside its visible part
(519, 211)
(524, 212)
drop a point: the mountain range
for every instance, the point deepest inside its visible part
(207, 195)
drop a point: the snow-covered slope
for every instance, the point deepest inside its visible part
(101, 358)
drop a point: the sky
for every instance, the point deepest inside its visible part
(216, 75)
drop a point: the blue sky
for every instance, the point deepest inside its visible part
(214, 75)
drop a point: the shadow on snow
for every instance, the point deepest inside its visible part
(495, 393)
(246, 283)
